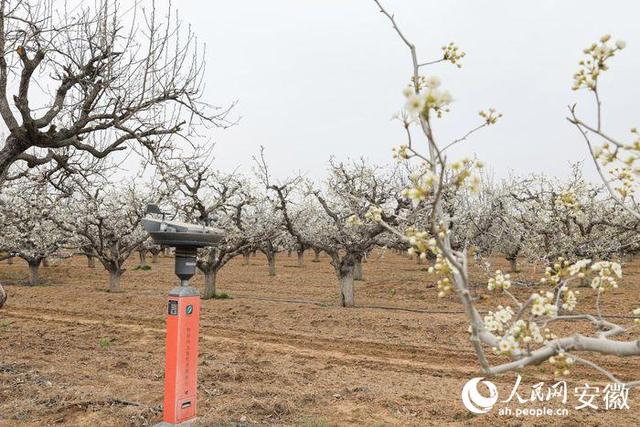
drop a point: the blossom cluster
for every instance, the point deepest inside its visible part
(498, 321)
(542, 305)
(606, 274)
(421, 186)
(526, 332)
(506, 345)
(596, 62)
(353, 221)
(452, 53)
(500, 281)
(522, 334)
(421, 242)
(625, 176)
(560, 270)
(443, 268)
(568, 199)
(374, 214)
(626, 173)
(569, 300)
(463, 173)
(561, 362)
(424, 96)
(401, 153)
(490, 116)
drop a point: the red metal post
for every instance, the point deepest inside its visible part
(181, 367)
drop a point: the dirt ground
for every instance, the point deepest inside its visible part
(278, 352)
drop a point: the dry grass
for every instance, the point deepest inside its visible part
(278, 352)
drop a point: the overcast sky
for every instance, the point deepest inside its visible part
(317, 78)
(321, 78)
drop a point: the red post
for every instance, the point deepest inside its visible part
(181, 367)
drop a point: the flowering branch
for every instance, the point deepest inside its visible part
(507, 335)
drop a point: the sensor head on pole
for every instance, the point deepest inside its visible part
(185, 237)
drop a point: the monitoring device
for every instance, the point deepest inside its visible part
(183, 313)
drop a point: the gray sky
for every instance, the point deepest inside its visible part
(317, 78)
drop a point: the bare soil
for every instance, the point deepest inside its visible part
(278, 352)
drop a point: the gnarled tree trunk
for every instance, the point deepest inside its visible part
(347, 294)
(91, 261)
(143, 258)
(316, 255)
(209, 284)
(114, 280)
(357, 271)
(3, 296)
(271, 259)
(245, 258)
(300, 258)
(10, 260)
(344, 268)
(34, 270)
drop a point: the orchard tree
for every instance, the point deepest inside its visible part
(207, 196)
(536, 329)
(352, 193)
(148, 246)
(108, 220)
(88, 251)
(93, 81)
(28, 230)
(573, 219)
(543, 218)
(266, 216)
(490, 224)
(306, 217)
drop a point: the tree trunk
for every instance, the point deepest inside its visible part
(419, 259)
(271, 258)
(34, 269)
(209, 285)
(114, 281)
(316, 255)
(513, 261)
(357, 271)
(289, 253)
(245, 258)
(300, 258)
(10, 260)
(347, 297)
(3, 296)
(91, 261)
(344, 268)
(143, 258)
